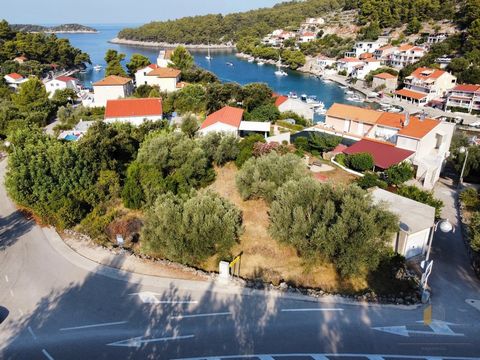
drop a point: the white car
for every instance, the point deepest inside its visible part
(475, 124)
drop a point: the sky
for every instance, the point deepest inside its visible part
(117, 11)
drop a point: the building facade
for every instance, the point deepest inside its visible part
(111, 88)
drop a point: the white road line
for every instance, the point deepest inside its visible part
(179, 317)
(311, 309)
(176, 302)
(6, 278)
(32, 333)
(47, 355)
(11, 293)
(93, 325)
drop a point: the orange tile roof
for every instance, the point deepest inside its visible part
(385, 47)
(15, 76)
(424, 73)
(356, 113)
(415, 129)
(227, 115)
(280, 100)
(65, 78)
(113, 80)
(365, 55)
(349, 59)
(133, 107)
(385, 76)
(411, 94)
(405, 47)
(467, 87)
(165, 72)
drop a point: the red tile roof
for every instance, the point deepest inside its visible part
(133, 107)
(153, 66)
(384, 155)
(467, 88)
(385, 76)
(228, 115)
(15, 76)
(416, 128)
(280, 100)
(411, 94)
(165, 72)
(113, 80)
(65, 78)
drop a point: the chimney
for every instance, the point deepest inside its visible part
(407, 119)
(422, 116)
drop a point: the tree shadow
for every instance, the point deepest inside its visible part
(12, 227)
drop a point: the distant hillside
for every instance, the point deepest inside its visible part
(218, 28)
(64, 28)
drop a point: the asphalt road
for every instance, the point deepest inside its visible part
(54, 309)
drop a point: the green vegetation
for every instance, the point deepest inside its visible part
(425, 197)
(475, 231)
(359, 162)
(332, 223)
(396, 175)
(220, 148)
(317, 143)
(190, 229)
(182, 59)
(69, 116)
(245, 148)
(217, 29)
(369, 180)
(114, 65)
(137, 61)
(261, 177)
(330, 45)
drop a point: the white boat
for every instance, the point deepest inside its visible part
(251, 59)
(260, 63)
(279, 71)
(292, 95)
(229, 63)
(98, 67)
(303, 97)
(349, 92)
(208, 57)
(312, 100)
(320, 111)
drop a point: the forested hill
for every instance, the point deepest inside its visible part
(218, 29)
(53, 29)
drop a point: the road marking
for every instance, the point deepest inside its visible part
(93, 325)
(439, 328)
(138, 341)
(6, 278)
(179, 317)
(32, 333)
(47, 355)
(11, 293)
(311, 309)
(148, 297)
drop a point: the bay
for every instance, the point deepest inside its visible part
(241, 72)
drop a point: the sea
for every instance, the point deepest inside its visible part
(241, 72)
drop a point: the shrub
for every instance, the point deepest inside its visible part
(190, 230)
(341, 159)
(246, 148)
(371, 179)
(475, 231)
(260, 149)
(219, 148)
(338, 223)
(398, 174)
(360, 162)
(425, 197)
(190, 125)
(469, 198)
(261, 177)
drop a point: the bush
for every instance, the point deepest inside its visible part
(190, 125)
(425, 197)
(341, 159)
(469, 198)
(400, 173)
(317, 143)
(261, 177)
(340, 224)
(371, 179)
(360, 162)
(190, 230)
(246, 148)
(475, 231)
(219, 148)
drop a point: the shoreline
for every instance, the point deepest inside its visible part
(152, 44)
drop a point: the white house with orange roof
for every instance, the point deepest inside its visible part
(61, 83)
(285, 103)
(465, 96)
(164, 58)
(368, 64)
(14, 80)
(165, 78)
(428, 139)
(349, 64)
(406, 54)
(386, 80)
(111, 88)
(361, 47)
(426, 84)
(307, 36)
(134, 111)
(383, 53)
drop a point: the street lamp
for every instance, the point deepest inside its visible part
(463, 150)
(445, 227)
(8, 144)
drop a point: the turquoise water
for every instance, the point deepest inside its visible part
(242, 72)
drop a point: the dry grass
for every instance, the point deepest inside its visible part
(263, 257)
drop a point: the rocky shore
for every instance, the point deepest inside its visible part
(153, 44)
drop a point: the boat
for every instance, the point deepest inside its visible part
(208, 57)
(349, 92)
(312, 100)
(279, 71)
(229, 63)
(260, 63)
(251, 59)
(320, 111)
(98, 67)
(303, 97)
(292, 95)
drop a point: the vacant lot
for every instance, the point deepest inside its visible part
(263, 257)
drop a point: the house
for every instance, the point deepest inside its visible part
(163, 58)
(436, 38)
(14, 80)
(165, 78)
(383, 53)
(386, 81)
(134, 111)
(110, 88)
(368, 65)
(464, 98)
(77, 132)
(348, 64)
(417, 221)
(307, 36)
(60, 83)
(428, 139)
(405, 54)
(361, 47)
(309, 22)
(284, 104)
(20, 59)
(426, 84)
(228, 120)
(323, 61)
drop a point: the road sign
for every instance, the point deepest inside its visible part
(439, 328)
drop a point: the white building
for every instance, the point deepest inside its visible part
(111, 88)
(348, 64)
(284, 104)
(416, 222)
(134, 111)
(466, 96)
(14, 80)
(61, 83)
(165, 78)
(362, 47)
(406, 55)
(163, 58)
(307, 36)
(360, 71)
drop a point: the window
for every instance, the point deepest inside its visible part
(439, 140)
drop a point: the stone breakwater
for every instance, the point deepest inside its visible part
(153, 44)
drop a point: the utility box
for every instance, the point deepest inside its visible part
(224, 270)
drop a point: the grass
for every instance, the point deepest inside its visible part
(263, 257)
